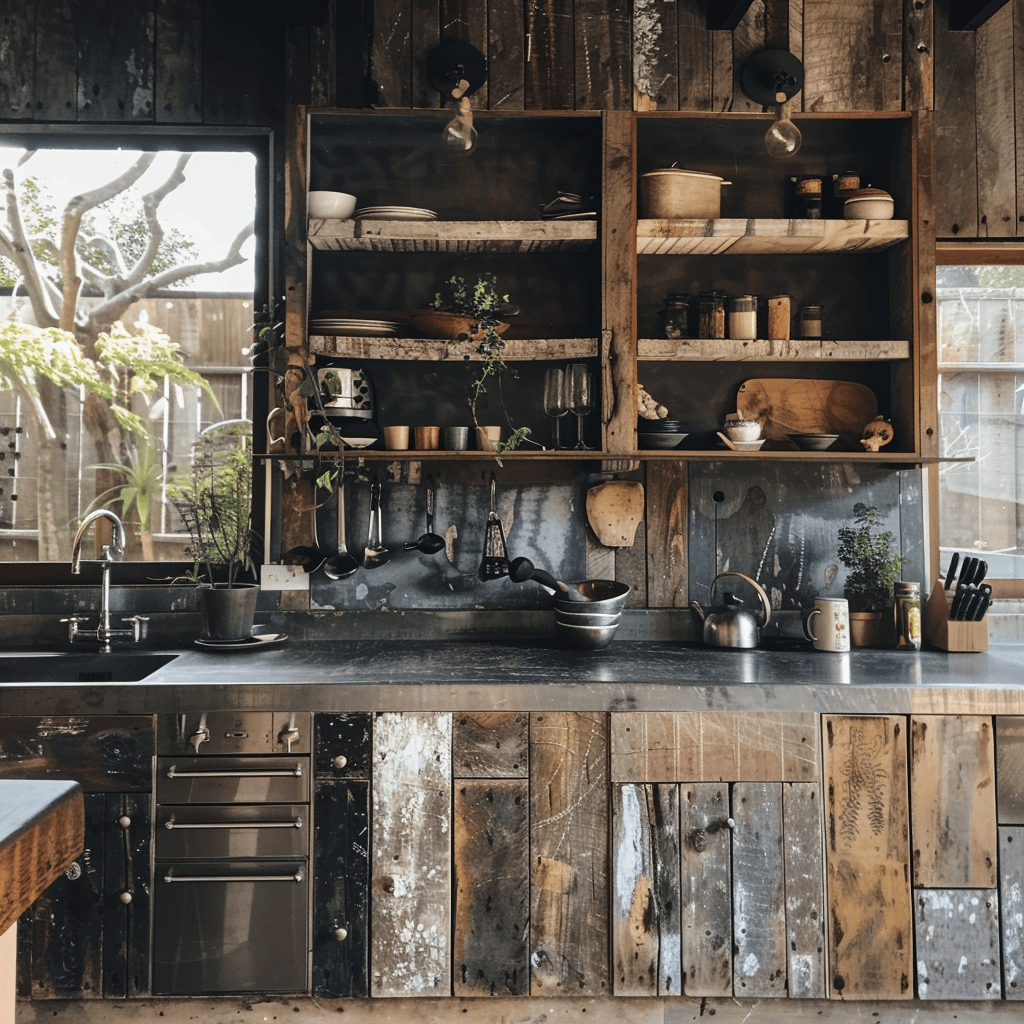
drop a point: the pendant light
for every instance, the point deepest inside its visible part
(773, 77)
(457, 70)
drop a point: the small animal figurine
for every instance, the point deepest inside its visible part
(647, 407)
(877, 433)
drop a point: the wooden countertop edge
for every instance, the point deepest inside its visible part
(42, 831)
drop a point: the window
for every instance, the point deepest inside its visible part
(201, 189)
(980, 328)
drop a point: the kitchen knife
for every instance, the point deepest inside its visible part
(984, 600)
(966, 571)
(971, 603)
(951, 572)
(980, 570)
(958, 601)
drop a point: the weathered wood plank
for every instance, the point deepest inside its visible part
(855, 58)
(452, 236)
(1018, 65)
(569, 850)
(465, 20)
(506, 55)
(708, 746)
(666, 490)
(323, 60)
(1011, 909)
(116, 62)
(342, 745)
(953, 802)
(17, 63)
(956, 184)
(918, 51)
(491, 745)
(1009, 748)
(994, 94)
(747, 38)
(956, 937)
(391, 54)
(646, 948)
(656, 54)
(706, 889)
(410, 883)
(758, 891)
(867, 858)
(426, 349)
(696, 58)
(178, 82)
(803, 853)
(243, 66)
(793, 350)
(341, 894)
(492, 869)
(603, 54)
(549, 59)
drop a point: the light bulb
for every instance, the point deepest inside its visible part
(459, 138)
(783, 138)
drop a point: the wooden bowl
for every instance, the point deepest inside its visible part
(450, 326)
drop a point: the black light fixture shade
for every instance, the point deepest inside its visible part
(453, 61)
(768, 73)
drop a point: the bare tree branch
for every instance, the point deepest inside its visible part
(151, 206)
(45, 313)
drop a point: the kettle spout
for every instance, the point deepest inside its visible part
(695, 605)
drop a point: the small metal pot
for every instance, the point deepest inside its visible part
(731, 625)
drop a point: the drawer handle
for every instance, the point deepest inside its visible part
(174, 773)
(297, 877)
(294, 823)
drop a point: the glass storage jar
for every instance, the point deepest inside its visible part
(711, 315)
(743, 317)
(676, 315)
(810, 321)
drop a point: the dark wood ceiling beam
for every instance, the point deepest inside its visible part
(727, 14)
(966, 15)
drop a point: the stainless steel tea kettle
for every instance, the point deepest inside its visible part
(731, 624)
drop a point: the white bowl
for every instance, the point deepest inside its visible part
(743, 430)
(331, 205)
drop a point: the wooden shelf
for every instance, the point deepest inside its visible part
(517, 236)
(807, 350)
(433, 350)
(765, 237)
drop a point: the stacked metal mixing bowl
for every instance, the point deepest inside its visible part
(589, 621)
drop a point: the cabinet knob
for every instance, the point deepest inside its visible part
(124, 821)
(125, 897)
(340, 761)
(341, 934)
(73, 871)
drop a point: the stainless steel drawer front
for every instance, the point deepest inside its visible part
(232, 830)
(223, 780)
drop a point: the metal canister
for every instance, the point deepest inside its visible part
(907, 614)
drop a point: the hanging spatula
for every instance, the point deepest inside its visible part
(494, 563)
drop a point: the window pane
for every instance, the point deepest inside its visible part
(981, 401)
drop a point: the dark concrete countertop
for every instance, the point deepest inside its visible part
(405, 675)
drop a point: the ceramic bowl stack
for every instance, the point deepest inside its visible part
(590, 624)
(663, 434)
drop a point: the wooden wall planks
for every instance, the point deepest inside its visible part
(867, 858)
(1011, 909)
(569, 853)
(953, 801)
(803, 852)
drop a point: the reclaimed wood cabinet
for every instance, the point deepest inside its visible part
(88, 936)
(592, 289)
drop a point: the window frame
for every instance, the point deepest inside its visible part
(255, 139)
(971, 253)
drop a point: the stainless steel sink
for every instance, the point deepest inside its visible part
(80, 667)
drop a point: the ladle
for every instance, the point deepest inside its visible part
(429, 543)
(341, 564)
(522, 569)
(375, 555)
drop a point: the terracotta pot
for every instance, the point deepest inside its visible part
(865, 628)
(449, 326)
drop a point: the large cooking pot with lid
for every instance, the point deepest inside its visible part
(672, 193)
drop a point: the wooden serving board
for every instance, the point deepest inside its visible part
(788, 405)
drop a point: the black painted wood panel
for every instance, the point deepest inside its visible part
(339, 736)
(178, 80)
(116, 61)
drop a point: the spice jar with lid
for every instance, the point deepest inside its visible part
(907, 614)
(711, 315)
(808, 196)
(810, 321)
(743, 317)
(676, 315)
(778, 318)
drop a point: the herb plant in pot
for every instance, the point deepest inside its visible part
(215, 503)
(867, 551)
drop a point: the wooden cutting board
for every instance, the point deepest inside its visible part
(788, 405)
(614, 510)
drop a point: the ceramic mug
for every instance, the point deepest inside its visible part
(833, 625)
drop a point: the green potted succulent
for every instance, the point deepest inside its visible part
(867, 552)
(215, 504)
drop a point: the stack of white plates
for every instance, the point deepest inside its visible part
(352, 328)
(394, 213)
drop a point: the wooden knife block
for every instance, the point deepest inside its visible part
(950, 635)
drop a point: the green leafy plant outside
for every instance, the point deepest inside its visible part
(874, 567)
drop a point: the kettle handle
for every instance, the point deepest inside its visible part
(765, 603)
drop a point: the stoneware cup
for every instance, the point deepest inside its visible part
(427, 438)
(487, 438)
(396, 438)
(455, 439)
(828, 624)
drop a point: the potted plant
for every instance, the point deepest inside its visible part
(461, 311)
(867, 551)
(215, 503)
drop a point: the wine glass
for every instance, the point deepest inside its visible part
(580, 397)
(555, 404)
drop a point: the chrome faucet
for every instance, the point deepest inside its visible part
(103, 632)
